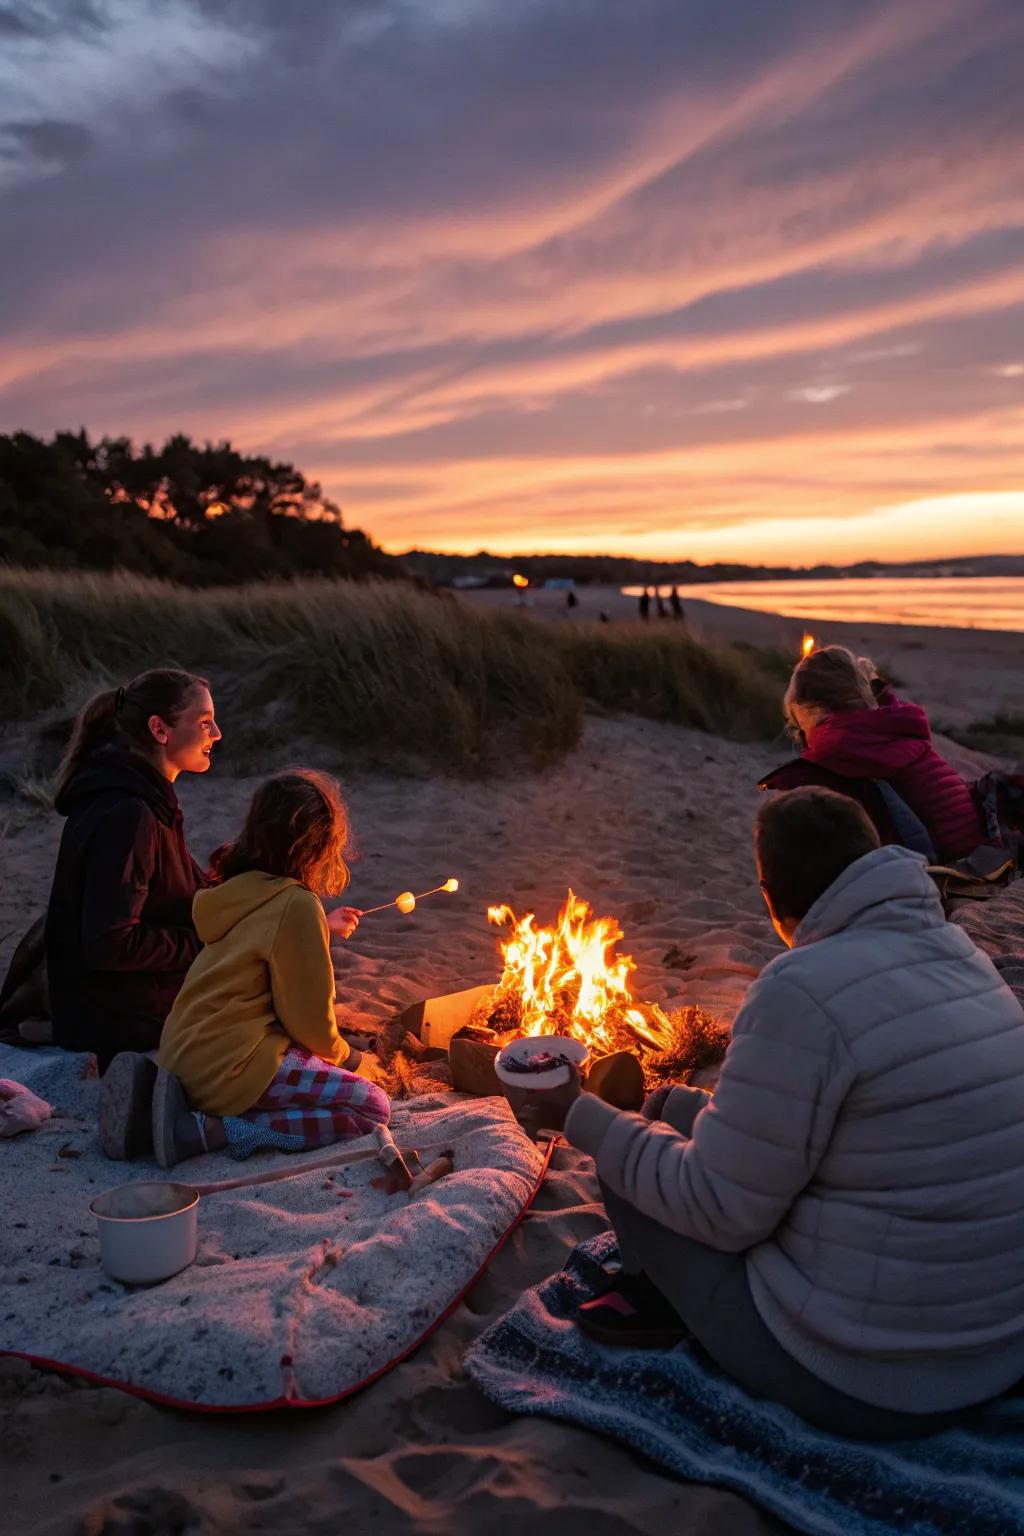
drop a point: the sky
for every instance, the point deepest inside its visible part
(668, 278)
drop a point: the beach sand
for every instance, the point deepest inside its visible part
(651, 823)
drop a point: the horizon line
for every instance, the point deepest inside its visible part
(484, 554)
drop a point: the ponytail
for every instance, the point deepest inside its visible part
(94, 726)
(122, 715)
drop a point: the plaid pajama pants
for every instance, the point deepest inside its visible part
(309, 1104)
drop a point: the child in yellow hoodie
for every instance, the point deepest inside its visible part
(250, 1054)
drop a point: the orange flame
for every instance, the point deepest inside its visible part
(520, 581)
(570, 980)
(807, 645)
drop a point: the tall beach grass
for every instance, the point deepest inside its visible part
(383, 670)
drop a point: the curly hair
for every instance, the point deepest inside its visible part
(298, 827)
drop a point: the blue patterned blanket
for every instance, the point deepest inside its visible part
(675, 1408)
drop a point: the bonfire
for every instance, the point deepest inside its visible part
(570, 980)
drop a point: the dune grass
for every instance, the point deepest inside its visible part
(384, 670)
(1002, 734)
(670, 676)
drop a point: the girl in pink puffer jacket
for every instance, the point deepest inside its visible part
(853, 727)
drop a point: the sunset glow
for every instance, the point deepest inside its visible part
(663, 281)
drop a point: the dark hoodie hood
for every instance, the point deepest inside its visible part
(110, 770)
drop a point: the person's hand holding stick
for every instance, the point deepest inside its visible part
(342, 922)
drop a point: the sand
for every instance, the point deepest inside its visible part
(649, 822)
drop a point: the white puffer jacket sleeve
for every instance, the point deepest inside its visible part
(755, 1146)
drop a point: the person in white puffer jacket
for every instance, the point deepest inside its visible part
(841, 1227)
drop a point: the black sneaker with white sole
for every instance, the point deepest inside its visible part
(631, 1313)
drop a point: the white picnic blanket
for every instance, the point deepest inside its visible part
(301, 1289)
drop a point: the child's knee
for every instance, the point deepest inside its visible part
(378, 1106)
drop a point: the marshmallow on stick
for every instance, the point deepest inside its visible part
(406, 901)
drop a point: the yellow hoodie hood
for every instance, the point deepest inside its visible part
(217, 910)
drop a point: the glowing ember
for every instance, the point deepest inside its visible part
(807, 645)
(568, 980)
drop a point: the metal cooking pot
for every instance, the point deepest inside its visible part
(147, 1230)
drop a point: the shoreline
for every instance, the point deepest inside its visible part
(958, 675)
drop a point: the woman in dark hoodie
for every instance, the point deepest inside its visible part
(119, 930)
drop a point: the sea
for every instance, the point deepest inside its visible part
(954, 602)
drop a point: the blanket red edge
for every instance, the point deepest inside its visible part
(290, 1399)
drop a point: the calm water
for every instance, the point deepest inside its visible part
(981, 602)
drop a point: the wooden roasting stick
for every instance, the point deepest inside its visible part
(406, 900)
(385, 1150)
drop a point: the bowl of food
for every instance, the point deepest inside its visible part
(540, 1063)
(148, 1230)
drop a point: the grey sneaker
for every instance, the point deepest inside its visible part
(170, 1112)
(126, 1098)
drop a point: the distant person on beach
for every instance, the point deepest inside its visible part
(119, 935)
(662, 610)
(859, 738)
(841, 1226)
(645, 604)
(571, 600)
(676, 604)
(251, 1055)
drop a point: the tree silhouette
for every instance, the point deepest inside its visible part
(202, 514)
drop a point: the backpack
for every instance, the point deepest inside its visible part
(980, 874)
(894, 821)
(1000, 799)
